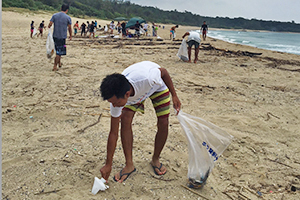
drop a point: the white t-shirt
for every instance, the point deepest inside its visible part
(145, 26)
(112, 25)
(194, 36)
(145, 78)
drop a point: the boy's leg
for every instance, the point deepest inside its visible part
(196, 53)
(160, 141)
(56, 62)
(127, 142)
(189, 53)
(161, 104)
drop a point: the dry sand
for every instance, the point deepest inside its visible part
(45, 156)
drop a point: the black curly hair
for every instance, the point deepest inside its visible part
(114, 84)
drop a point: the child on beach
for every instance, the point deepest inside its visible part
(41, 28)
(76, 27)
(172, 32)
(204, 29)
(31, 28)
(126, 93)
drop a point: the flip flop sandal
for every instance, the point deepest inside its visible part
(159, 168)
(125, 174)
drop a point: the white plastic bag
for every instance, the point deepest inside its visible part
(50, 44)
(182, 51)
(99, 184)
(34, 32)
(142, 31)
(206, 142)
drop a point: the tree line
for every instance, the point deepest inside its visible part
(110, 9)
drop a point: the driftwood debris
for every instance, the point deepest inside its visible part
(208, 46)
(82, 130)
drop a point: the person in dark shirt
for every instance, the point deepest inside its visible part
(137, 27)
(83, 27)
(123, 25)
(92, 28)
(41, 28)
(31, 28)
(204, 29)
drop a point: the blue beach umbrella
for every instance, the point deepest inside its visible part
(132, 22)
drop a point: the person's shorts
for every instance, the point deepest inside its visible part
(137, 32)
(172, 32)
(75, 31)
(204, 32)
(41, 30)
(160, 101)
(193, 42)
(31, 30)
(60, 46)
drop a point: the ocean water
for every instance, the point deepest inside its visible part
(275, 41)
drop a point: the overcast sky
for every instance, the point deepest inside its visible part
(277, 10)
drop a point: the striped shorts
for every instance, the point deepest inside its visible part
(160, 101)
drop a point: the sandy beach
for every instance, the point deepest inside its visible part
(55, 124)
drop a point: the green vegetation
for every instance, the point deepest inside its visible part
(109, 9)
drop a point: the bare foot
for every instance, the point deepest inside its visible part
(54, 69)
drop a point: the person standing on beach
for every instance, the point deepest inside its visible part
(76, 27)
(31, 28)
(154, 32)
(204, 29)
(123, 25)
(126, 93)
(41, 28)
(112, 27)
(137, 27)
(62, 24)
(193, 39)
(172, 32)
(92, 28)
(146, 28)
(83, 27)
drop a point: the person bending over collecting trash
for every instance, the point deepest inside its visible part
(193, 39)
(126, 93)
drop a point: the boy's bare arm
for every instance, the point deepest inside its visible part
(168, 81)
(111, 146)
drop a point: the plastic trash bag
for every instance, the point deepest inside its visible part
(182, 51)
(34, 32)
(50, 44)
(142, 31)
(206, 142)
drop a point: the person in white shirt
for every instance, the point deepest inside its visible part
(112, 27)
(126, 93)
(193, 39)
(146, 28)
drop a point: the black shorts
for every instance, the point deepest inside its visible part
(60, 46)
(193, 42)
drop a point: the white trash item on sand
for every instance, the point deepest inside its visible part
(99, 185)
